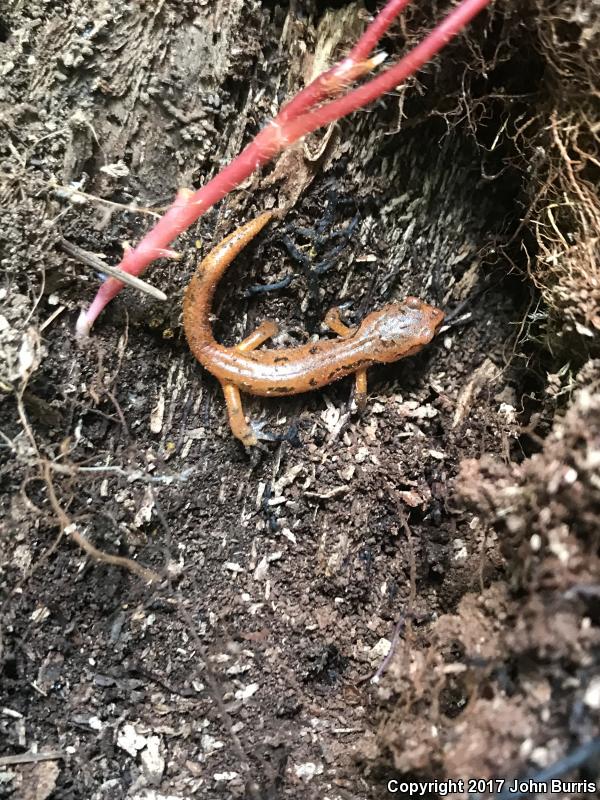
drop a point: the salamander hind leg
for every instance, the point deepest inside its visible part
(237, 420)
(266, 330)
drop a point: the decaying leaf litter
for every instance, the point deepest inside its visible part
(459, 512)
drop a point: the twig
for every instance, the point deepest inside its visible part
(263, 288)
(390, 653)
(57, 312)
(147, 575)
(70, 529)
(31, 758)
(413, 561)
(90, 260)
(132, 476)
(119, 411)
(67, 192)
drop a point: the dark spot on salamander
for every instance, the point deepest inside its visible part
(313, 382)
(281, 360)
(281, 389)
(314, 350)
(358, 364)
(340, 372)
(347, 369)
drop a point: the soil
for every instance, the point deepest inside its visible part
(410, 593)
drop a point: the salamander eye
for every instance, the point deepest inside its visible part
(413, 302)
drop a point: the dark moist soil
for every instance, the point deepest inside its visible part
(248, 672)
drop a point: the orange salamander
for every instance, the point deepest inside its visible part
(396, 331)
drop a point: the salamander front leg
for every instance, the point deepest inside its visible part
(237, 420)
(266, 330)
(360, 389)
(334, 323)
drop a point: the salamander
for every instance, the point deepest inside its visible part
(396, 331)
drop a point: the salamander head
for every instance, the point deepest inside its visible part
(401, 329)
